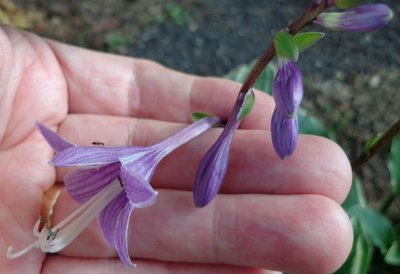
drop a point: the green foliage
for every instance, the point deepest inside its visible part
(356, 195)
(304, 40)
(285, 46)
(117, 41)
(177, 13)
(394, 165)
(361, 253)
(376, 226)
(346, 4)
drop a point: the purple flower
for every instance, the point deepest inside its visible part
(287, 87)
(363, 18)
(212, 168)
(284, 131)
(111, 183)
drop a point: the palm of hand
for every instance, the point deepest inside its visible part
(75, 92)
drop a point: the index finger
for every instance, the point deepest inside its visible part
(101, 83)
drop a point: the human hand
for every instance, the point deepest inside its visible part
(271, 214)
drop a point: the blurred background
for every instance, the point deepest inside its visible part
(352, 80)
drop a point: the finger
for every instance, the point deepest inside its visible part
(57, 264)
(292, 233)
(318, 166)
(114, 85)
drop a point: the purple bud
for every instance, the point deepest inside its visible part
(288, 87)
(284, 131)
(362, 18)
(212, 168)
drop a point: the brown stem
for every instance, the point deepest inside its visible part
(309, 15)
(385, 139)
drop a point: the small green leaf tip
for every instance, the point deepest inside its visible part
(285, 46)
(198, 115)
(247, 106)
(305, 40)
(347, 4)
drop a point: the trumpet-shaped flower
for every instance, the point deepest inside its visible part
(363, 18)
(111, 183)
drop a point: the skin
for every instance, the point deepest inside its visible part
(271, 214)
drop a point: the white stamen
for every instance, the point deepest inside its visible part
(61, 235)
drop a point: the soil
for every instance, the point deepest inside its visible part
(352, 80)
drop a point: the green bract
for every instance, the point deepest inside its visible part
(285, 46)
(247, 106)
(197, 115)
(346, 4)
(305, 40)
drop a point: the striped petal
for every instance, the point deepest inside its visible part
(82, 184)
(53, 139)
(139, 192)
(114, 220)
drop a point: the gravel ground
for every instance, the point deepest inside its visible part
(352, 80)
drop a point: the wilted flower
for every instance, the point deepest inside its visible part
(362, 18)
(287, 87)
(111, 183)
(284, 131)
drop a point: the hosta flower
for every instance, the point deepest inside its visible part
(287, 87)
(111, 183)
(363, 18)
(212, 168)
(284, 131)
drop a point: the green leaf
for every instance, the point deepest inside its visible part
(286, 46)
(264, 81)
(305, 40)
(376, 226)
(247, 106)
(200, 115)
(310, 124)
(346, 4)
(360, 257)
(393, 255)
(356, 195)
(394, 164)
(372, 141)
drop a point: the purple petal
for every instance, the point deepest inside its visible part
(82, 184)
(362, 18)
(86, 156)
(53, 139)
(288, 87)
(114, 221)
(284, 132)
(212, 168)
(139, 192)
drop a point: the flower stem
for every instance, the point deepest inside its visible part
(387, 202)
(308, 15)
(385, 139)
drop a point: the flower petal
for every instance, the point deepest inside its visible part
(82, 184)
(114, 220)
(212, 168)
(139, 192)
(86, 156)
(53, 139)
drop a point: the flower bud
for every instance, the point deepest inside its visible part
(287, 87)
(284, 131)
(362, 18)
